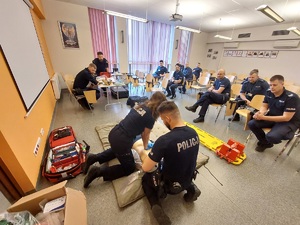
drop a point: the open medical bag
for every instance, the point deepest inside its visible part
(65, 157)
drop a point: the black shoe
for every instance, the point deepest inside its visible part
(191, 108)
(174, 96)
(160, 215)
(183, 92)
(191, 196)
(236, 118)
(92, 175)
(168, 95)
(262, 147)
(200, 119)
(90, 160)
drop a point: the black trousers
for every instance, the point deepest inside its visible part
(171, 88)
(279, 131)
(153, 193)
(121, 145)
(209, 98)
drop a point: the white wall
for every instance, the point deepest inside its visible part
(198, 49)
(67, 60)
(285, 64)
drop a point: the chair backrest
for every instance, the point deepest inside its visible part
(164, 82)
(257, 101)
(68, 77)
(69, 83)
(90, 96)
(168, 75)
(203, 81)
(293, 88)
(149, 77)
(231, 78)
(235, 89)
(141, 76)
(205, 74)
(135, 81)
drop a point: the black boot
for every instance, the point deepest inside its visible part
(192, 108)
(160, 215)
(192, 193)
(94, 172)
(90, 160)
(200, 119)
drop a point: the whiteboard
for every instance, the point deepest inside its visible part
(22, 50)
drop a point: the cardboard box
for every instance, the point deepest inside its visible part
(75, 210)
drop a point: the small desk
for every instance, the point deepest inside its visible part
(107, 87)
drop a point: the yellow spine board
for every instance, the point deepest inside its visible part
(213, 143)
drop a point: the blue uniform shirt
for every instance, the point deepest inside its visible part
(188, 73)
(258, 88)
(286, 102)
(161, 70)
(178, 75)
(197, 72)
(225, 82)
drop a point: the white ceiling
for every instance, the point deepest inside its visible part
(203, 14)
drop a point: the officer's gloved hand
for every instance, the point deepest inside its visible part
(150, 145)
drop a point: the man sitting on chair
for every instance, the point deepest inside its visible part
(253, 86)
(197, 71)
(188, 74)
(160, 71)
(82, 81)
(280, 111)
(219, 93)
(176, 80)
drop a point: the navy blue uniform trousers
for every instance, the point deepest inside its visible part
(279, 131)
(209, 98)
(121, 145)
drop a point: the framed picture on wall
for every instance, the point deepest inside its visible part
(274, 54)
(68, 33)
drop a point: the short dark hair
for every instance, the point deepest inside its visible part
(167, 107)
(161, 60)
(253, 71)
(277, 77)
(178, 64)
(99, 53)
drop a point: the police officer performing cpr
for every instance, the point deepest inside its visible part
(176, 154)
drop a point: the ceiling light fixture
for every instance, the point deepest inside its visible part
(223, 37)
(188, 29)
(295, 30)
(270, 13)
(126, 16)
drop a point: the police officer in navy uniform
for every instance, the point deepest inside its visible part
(280, 111)
(253, 86)
(85, 81)
(176, 80)
(101, 63)
(161, 70)
(139, 121)
(219, 93)
(188, 74)
(197, 71)
(178, 149)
